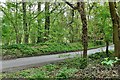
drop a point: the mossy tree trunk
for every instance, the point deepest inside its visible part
(25, 27)
(81, 10)
(116, 28)
(39, 38)
(47, 20)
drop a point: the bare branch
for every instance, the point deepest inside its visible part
(54, 9)
(36, 15)
(71, 5)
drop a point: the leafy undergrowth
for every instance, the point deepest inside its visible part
(29, 50)
(74, 69)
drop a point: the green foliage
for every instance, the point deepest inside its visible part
(60, 30)
(1, 76)
(65, 73)
(38, 74)
(76, 62)
(104, 19)
(118, 8)
(23, 50)
(60, 47)
(100, 55)
(110, 62)
(50, 67)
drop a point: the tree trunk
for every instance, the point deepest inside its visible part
(107, 48)
(18, 37)
(81, 10)
(116, 28)
(26, 35)
(39, 38)
(71, 27)
(47, 21)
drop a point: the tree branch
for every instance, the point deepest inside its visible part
(71, 5)
(53, 9)
(1, 8)
(12, 22)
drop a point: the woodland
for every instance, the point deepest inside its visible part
(36, 28)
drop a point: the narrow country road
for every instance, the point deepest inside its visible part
(23, 63)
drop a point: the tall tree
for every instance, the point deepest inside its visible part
(26, 34)
(71, 27)
(116, 28)
(47, 20)
(18, 36)
(81, 9)
(39, 38)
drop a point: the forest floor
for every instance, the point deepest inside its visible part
(76, 68)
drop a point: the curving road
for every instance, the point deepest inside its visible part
(24, 63)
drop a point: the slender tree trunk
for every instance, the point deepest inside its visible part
(26, 35)
(18, 36)
(71, 27)
(16, 29)
(116, 28)
(81, 10)
(77, 30)
(107, 48)
(32, 38)
(39, 38)
(47, 20)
